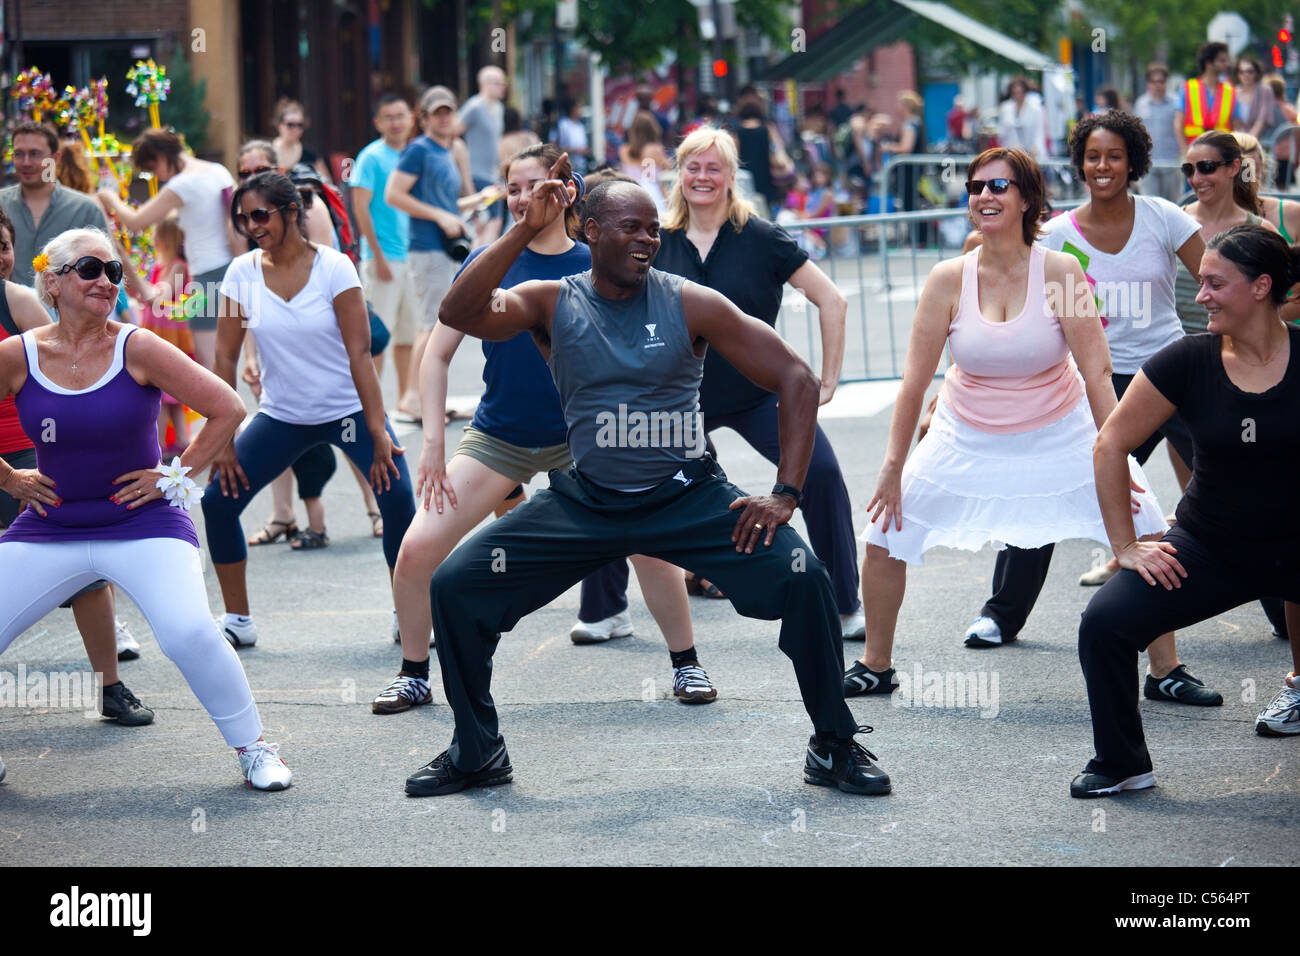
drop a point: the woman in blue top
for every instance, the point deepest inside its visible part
(518, 430)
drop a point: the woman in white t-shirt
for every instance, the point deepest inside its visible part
(1020, 119)
(200, 192)
(304, 305)
(1129, 247)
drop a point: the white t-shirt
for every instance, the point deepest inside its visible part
(1135, 285)
(203, 214)
(306, 376)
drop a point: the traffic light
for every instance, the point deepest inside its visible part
(1277, 57)
(720, 68)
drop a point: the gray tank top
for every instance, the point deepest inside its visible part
(629, 381)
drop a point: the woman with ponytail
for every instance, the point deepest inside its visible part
(1238, 533)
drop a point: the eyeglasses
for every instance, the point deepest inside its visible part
(259, 217)
(1205, 167)
(293, 125)
(245, 173)
(91, 268)
(996, 186)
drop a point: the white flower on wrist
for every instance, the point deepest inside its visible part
(179, 490)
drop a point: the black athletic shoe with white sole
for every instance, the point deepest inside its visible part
(1181, 687)
(1087, 785)
(441, 776)
(861, 679)
(844, 764)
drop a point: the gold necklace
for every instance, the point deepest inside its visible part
(1276, 352)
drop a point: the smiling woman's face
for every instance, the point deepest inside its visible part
(73, 294)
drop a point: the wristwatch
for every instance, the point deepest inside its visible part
(791, 490)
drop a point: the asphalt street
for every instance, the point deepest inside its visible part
(609, 768)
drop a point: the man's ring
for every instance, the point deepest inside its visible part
(758, 527)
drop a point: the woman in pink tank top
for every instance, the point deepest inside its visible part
(1008, 456)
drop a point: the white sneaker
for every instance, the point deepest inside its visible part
(397, 632)
(127, 648)
(853, 626)
(983, 632)
(263, 767)
(239, 635)
(620, 625)
(1281, 718)
(1097, 576)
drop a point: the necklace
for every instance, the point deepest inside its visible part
(1277, 351)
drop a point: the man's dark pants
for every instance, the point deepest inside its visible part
(523, 561)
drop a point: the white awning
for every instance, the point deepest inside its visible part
(977, 32)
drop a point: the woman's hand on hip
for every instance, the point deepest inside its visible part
(140, 487)
(1155, 561)
(29, 487)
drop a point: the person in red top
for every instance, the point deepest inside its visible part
(94, 607)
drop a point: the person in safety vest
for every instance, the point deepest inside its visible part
(1208, 101)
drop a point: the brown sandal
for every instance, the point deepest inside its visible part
(702, 587)
(268, 534)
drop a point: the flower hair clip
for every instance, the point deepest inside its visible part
(41, 262)
(179, 490)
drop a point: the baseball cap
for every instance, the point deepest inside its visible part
(437, 97)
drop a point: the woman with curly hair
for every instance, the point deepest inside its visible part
(1129, 247)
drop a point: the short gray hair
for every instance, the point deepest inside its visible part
(64, 250)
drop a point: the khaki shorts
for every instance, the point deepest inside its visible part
(428, 276)
(517, 464)
(392, 301)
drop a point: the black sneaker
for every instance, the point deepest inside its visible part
(1182, 688)
(861, 679)
(121, 705)
(845, 764)
(441, 776)
(1087, 785)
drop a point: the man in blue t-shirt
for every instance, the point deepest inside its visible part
(428, 187)
(385, 231)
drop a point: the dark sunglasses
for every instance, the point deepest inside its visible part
(996, 186)
(90, 269)
(259, 217)
(245, 173)
(1203, 166)
(293, 125)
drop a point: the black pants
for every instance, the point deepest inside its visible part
(827, 512)
(523, 560)
(1019, 573)
(1127, 614)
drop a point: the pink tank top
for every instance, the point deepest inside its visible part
(1011, 376)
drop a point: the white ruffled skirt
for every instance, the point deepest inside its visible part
(963, 488)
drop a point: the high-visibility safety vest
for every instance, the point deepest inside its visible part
(1199, 117)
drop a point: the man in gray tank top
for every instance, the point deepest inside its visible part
(625, 345)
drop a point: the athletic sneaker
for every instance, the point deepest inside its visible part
(1281, 718)
(861, 679)
(1097, 576)
(263, 767)
(853, 627)
(1097, 785)
(845, 764)
(441, 776)
(121, 705)
(127, 647)
(984, 632)
(620, 625)
(692, 686)
(1182, 688)
(239, 635)
(402, 693)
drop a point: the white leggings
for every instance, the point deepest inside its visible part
(164, 578)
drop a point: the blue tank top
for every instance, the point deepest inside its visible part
(520, 405)
(629, 380)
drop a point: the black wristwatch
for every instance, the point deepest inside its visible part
(791, 490)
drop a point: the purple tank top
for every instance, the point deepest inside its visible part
(86, 438)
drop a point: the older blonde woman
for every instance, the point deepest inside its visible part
(90, 388)
(712, 236)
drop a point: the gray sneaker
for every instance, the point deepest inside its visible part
(1281, 718)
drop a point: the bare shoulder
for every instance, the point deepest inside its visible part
(945, 277)
(25, 307)
(1060, 264)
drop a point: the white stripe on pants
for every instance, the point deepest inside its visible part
(164, 578)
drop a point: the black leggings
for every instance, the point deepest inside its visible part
(1127, 614)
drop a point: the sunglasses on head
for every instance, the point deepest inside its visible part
(259, 217)
(996, 186)
(91, 268)
(245, 173)
(1203, 166)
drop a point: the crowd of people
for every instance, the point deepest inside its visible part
(624, 317)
